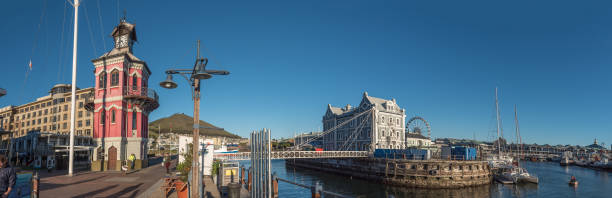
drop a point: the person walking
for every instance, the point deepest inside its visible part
(8, 177)
(167, 163)
(132, 158)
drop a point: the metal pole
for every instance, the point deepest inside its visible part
(269, 173)
(73, 95)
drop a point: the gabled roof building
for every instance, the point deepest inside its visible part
(383, 127)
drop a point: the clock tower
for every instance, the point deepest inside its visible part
(122, 104)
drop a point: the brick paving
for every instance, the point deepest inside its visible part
(100, 184)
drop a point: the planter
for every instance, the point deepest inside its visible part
(182, 189)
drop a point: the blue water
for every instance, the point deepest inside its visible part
(553, 183)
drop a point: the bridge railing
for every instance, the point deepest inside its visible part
(296, 154)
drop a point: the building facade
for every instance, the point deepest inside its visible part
(50, 113)
(382, 128)
(122, 103)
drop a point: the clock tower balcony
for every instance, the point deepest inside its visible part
(144, 97)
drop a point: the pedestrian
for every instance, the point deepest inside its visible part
(8, 177)
(132, 159)
(167, 163)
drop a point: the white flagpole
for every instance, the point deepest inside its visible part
(73, 96)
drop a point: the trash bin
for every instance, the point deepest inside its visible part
(234, 190)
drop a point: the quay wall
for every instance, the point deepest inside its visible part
(402, 172)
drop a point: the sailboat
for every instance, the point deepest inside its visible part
(500, 160)
(521, 173)
(501, 164)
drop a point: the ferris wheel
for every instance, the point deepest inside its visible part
(418, 125)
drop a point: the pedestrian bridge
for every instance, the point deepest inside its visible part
(294, 155)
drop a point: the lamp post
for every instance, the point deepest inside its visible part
(193, 76)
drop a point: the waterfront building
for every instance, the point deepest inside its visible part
(382, 128)
(122, 103)
(49, 113)
(417, 140)
(303, 137)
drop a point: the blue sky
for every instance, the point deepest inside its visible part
(288, 59)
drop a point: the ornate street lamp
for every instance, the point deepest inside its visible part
(193, 76)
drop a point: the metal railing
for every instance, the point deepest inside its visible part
(140, 91)
(296, 154)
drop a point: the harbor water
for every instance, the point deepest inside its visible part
(553, 183)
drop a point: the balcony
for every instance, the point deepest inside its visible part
(145, 98)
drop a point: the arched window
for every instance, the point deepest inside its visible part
(134, 82)
(115, 78)
(113, 116)
(102, 116)
(102, 80)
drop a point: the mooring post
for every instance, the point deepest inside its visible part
(316, 190)
(35, 184)
(274, 185)
(241, 175)
(249, 185)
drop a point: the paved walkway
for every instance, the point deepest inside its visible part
(100, 184)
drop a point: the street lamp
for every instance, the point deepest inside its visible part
(193, 76)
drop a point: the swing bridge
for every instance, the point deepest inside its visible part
(343, 152)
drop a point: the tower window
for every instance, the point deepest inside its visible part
(134, 82)
(102, 80)
(102, 117)
(113, 116)
(133, 120)
(114, 78)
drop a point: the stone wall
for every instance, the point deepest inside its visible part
(409, 173)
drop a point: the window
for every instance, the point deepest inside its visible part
(114, 78)
(113, 116)
(88, 131)
(80, 104)
(133, 120)
(102, 116)
(134, 82)
(45, 120)
(28, 115)
(65, 125)
(88, 114)
(44, 128)
(42, 105)
(39, 121)
(80, 124)
(28, 123)
(80, 114)
(65, 107)
(65, 116)
(87, 123)
(46, 111)
(102, 80)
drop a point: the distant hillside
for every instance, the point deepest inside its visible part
(181, 123)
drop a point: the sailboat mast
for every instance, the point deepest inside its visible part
(517, 132)
(498, 124)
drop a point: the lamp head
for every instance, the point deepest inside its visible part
(168, 83)
(201, 72)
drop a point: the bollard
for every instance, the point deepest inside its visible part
(35, 184)
(242, 175)
(233, 190)
(250, 184)
(274, 185)
(316, 190)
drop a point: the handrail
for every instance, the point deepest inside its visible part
(140, 91)
(311, 187)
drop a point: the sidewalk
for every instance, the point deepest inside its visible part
(100, 184)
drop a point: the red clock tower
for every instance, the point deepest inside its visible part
(122, 103)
